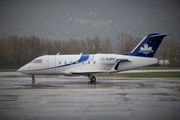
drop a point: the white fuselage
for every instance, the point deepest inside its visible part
(84, 64)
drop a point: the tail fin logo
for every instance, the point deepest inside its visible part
(146, 49)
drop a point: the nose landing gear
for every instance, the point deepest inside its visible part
(33, 79)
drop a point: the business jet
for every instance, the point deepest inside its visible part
(92, 65)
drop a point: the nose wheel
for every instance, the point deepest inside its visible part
(33, 79)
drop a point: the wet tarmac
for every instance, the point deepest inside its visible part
(67, 98)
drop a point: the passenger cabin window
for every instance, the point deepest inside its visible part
(37, 61)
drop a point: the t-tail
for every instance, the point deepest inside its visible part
(148, 46)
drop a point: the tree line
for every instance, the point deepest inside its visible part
(16, 51)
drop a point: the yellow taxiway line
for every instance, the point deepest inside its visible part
(177, 97)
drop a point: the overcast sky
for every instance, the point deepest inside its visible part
(64, 19)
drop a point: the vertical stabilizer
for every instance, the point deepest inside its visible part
(148, 46)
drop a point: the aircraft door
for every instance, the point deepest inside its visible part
(52, 62)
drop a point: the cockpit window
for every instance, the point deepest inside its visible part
(37, 61)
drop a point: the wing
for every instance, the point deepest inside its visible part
(113, 69)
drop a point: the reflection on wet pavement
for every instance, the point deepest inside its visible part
(57, 97)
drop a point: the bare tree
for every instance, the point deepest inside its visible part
(126, 43)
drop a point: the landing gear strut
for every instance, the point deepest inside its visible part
(92, 78)
(33, 79)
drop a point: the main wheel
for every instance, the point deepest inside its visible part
(93, 79)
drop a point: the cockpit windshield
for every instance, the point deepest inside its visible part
(37, 61)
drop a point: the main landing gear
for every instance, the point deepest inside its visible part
(33, 79)
(92, 78)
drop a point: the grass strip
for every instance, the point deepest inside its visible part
(147, 75)
(8, 70)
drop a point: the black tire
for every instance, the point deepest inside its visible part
(93, 79)
(33, 80)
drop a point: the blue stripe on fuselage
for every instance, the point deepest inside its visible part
(84, 58)
(81, 59)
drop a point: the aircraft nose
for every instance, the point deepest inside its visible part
(23, 69)
(19, 70)
(26, 69)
